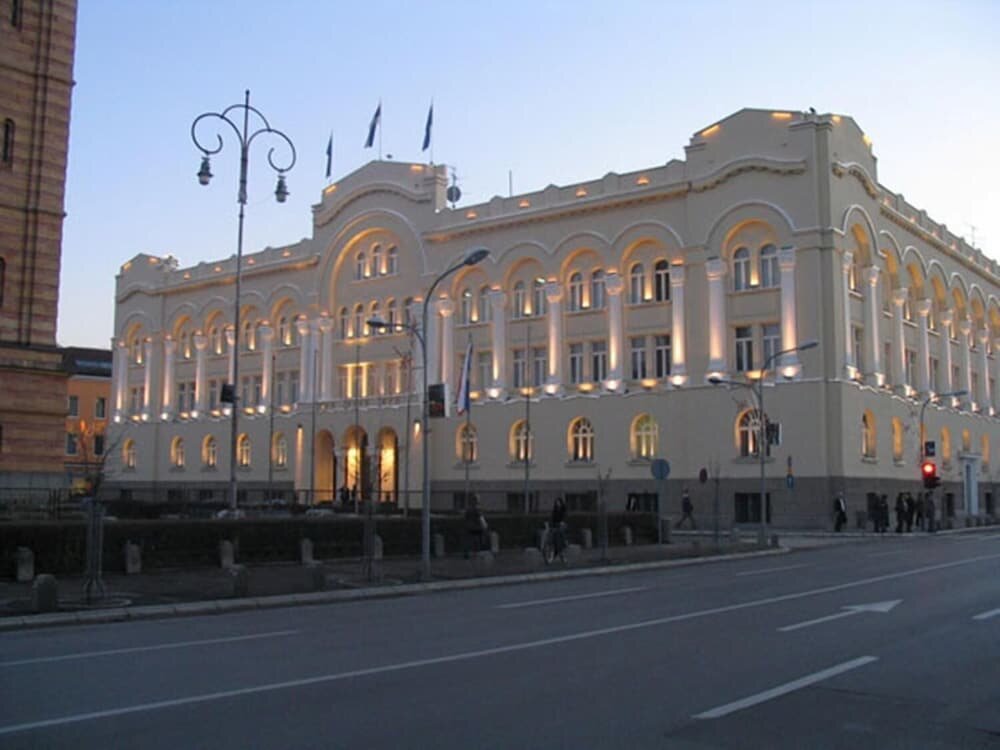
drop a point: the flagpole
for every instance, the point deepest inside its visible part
(380, 130)
(467, 371)
(527, 417)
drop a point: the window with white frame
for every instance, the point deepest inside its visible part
(539, 304)
(375, 314)
(598, 361)
(101, 408)
(129, 454)
(391, 316)
(359, 320)
(360, 266)
(661, 354)
(868, 435)
(210, 452)
(484, 366)
(858, 341)
(637, 356)
(575, 289)
(645, 436)
(636, 276)
(279, 450)
(465, 307)
(468, 442)
(539, 365)
(911, 367)
(770, 343)
(576, 363)
(243, 451)
(581, 440)
(747, 435)
(522, 442)
(598, 296)
(661, 281)
(377, 260)
(741, 269)
(769, 273)
(744, 348)
(517, 301)
(213, 394)
(485, 309)
(519, 368)
(293, 386)
(249, 338)
(392, 261)
(177, 453)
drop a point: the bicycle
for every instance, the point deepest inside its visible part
(553, 543)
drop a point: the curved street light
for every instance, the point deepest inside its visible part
(757, 388)
(245, 138)
(472, 258)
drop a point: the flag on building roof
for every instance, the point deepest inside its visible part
(376, 119)
(463, 400)
(329, 157)
(427, 128)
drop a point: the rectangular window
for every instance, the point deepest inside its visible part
(357, 373)
(213, 394)
(956, 378)
(575, 364)
(371, 381)
(858, 339)
(933, 368)
(975, 386)
(539, 365)
(70, 444)
(771, 340)
(911, 367)
(258, 389)
(484, 368)
(519, 372)
(637, 357)
(744, 348)
(887, 357)
(101, 408)
(181, 396)
(391, 378)
(245, 391)
(98, 445)
(344, 381)
(662, 354)
(293, 386)
(73, 408)
(598, 361)
(279, 389)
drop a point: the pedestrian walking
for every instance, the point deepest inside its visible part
(910, 510)
(686, 510)
(900, 512)
(476, 527)
(918, 511)
(839, 512)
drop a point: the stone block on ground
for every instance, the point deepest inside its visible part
(586, 538)
(438, 545)
(25, 565)
(227, 557)
(626, 532)
(240, 578)
(494, 543)
(306, 551)
(45, 594)
(133, 559)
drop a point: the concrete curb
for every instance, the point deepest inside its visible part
(220, 606)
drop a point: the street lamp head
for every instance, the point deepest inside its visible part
(281, 191)
(715, 381)
(957, 394)
(811, 344)
(476, 256)
(205, 173)
(376, 323)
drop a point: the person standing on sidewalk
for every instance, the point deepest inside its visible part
(839, 512)
(686, 510)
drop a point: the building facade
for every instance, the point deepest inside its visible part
(88, 401)
(597, 323)
(36, 65)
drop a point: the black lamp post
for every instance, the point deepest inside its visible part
(245, 137)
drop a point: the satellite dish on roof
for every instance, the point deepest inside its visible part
(454, 194)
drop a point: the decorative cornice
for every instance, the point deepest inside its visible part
(747, 164)
(858, 172)
(329, 213)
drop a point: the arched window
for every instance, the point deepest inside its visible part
(377, 260)
(517, 306)
(468, 444)
(645, 437)
(868, 435)
(248, 334)
(408, 311)
(575, 301)
(854, 273)
(392, 261)
(284, 331)
(747, 426)
(217, 339)
(243, 451)
(359, 320)
(661, 281)
(210, 452)
(279, 450)
(597, 289)
(128, 454)
(360, 266)
(539, 305)
(521, 442)
(374, 314)
(581, 440)
(184, 345)
(485, 308)
(635, 279)
(465, 307)
(345, 323)
(897, 439)
(177, 453)
(391, 316)
(769, 275)
(741, 269)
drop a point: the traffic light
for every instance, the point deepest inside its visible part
(435, 400)
(228, 395)
(928, 470)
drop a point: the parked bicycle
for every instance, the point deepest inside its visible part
(554, 542)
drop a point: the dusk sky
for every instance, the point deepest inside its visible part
(557, 92)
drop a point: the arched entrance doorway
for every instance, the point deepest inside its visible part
(325, 468)
(388, 466)
(357, 478)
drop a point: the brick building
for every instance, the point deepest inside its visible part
(36, 65)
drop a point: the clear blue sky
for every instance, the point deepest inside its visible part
(556, 91)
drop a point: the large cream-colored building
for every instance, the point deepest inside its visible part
(613, 302)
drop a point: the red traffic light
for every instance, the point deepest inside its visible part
(928, 469)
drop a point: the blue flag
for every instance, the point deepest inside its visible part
(376, 119)
(427, 128)
(463, 401)
(329, 157)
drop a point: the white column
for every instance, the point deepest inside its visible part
(715, 269)
(872, 339)
(899, 340)
(553, 295)
(120, 384)
(147, 396)
(790, 366)
(850, 359)
(965, 348)
(326, 359)
(200, 386)
(498, 301)
(616, 346)
(265, 339)
(446, 309)
(433, 341)
(923, 363)
(996, 373)
(983, 391)
(231, 343)
(678, 340)
(944, 384)
(169, 352)
(305, 361)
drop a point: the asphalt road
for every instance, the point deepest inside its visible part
(888, 643)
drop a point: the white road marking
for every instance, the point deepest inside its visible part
(584, 635)
(555, 600)
(857, 609)
(788, 687)
(987, 615)
(771, 570)
(139, 649)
